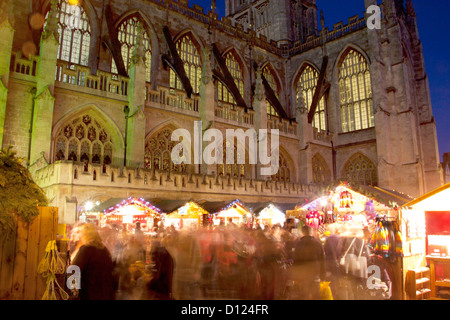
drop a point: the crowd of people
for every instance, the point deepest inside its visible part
(222, 262)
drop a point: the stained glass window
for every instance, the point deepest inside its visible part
(361, 170)
(269, 76)
(306, 88)
(74, 33)
(128, 34)
(189, 53)
(223, 94)
(235, 169)
(84, 139)
(284, 172)
(158, 153)
(321, 173)
(355, 93)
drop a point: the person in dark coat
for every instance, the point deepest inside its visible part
(309, 265)
(96, 266)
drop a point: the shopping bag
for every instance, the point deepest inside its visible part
(344, 260)
(325, 291)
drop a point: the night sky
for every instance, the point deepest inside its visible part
(433, 26)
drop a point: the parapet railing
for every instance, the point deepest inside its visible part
(81, 76)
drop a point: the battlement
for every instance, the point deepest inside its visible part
(135, 181)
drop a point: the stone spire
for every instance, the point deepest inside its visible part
(410, 9)
(51, 28)
(139, 50)
(6, 11)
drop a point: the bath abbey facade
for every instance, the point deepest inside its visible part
(91, 92)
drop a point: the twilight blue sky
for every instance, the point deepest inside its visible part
(433, 25)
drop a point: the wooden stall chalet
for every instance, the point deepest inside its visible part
(270, 215)
(425, 223)
(132, 211)
(235, 212)
(189, 216)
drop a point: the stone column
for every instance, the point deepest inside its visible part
(207, 103)
(6, 43)
(260, 116)
(135, 136)
(305, 136)
(41, 135)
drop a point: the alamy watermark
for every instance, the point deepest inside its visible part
(374, 20)
(251, 143)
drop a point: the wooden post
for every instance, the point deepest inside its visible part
(18, 279)
(6, 265)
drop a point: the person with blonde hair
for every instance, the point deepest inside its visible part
(95, 263)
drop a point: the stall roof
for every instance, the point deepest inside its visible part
(385, 196)
(216, 207)
(382, 198)
(132, 201)
(429, 195)
(108, 204)
(283, 207)
(169, 206)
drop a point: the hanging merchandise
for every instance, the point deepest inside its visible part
(346, 199)
(387, 240)
(314, 219)
(51, 265)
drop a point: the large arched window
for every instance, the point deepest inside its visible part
(321, 173)
(306, 87)
(84, 139)
(128, 34)
(236, 169)
(189, 53)
(360, 169)
(74, 33)
(273, 83)
(284, 171)
(355, 93)
(235, 69)
(158, 153)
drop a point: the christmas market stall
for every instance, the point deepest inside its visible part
(425, 224)
(270, 214)
(366, 219)
(235, 212)
(131, 212)
(189, 216)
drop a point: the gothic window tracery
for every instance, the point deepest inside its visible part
(235, 169)
(355, 93)
(84, 139)
(361, 170)
(223, 94)
(74, 33)
(189, 53)
(268, 74)
(128, 35)
(306, 87)
(158, 153)
(284, 171)
(321, 172)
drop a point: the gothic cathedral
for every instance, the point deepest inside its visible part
(92, 90)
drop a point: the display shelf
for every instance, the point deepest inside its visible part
(440, 274)
(418, 284)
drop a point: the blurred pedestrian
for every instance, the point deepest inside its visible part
(95, 263)
(309, 265)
